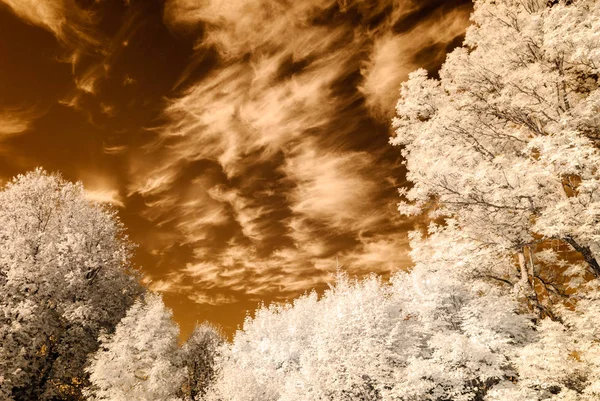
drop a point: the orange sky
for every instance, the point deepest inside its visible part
(244, 142)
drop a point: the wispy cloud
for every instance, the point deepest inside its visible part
(275, 162)
(333, 187)
(171, 283)
(237, 27)
(395, 55)
(211, 299)
(110, 196)
(64, 18)
(113, 150)
(16, 121)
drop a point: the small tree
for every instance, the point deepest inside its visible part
(199, 355)
(140, 360)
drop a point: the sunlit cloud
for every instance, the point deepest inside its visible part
(64, 18)
(256, 166)
(392, 57)
(113, 150)
(110, 196)
(381, 254)
(159, 285)
(172, 283)
(331, 187)
(208, 299)
(91, 51)
(101, 188)
(16, 121)
(86, 82)
(245, 213)
(237, 26)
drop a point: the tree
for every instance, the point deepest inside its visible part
(65, 276)
(426, 336)
(141, 359)
(563, 362)
(545, 359)
(199, 355)
(513, 129)
(435, 333)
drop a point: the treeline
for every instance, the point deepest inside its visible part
(75, 323)
(502, 303)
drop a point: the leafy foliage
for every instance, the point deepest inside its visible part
(64, 277)
(140, 359)
(423, 336)
(199, 355)
(514, 128)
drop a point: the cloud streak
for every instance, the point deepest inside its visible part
(393, 55)
(64, 18)
(275, 163)
(243, 141)
(109, 196)
(16, 121)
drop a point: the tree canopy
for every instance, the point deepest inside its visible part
(65, 276)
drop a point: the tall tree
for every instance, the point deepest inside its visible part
(504, 147)
(65, 276)
(506, 140)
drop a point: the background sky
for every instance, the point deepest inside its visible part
(244, 142)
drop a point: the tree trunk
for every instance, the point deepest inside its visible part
(527, 282)
(586, 252)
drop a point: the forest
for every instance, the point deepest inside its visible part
(502, 153)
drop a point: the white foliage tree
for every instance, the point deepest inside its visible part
(506, 141)
(140, 360)
(434, 333)
(425, 336)
(504, 146)
(563, 363)
(199, 355)
(64, 277)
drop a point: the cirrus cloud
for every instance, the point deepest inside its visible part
(64, 18)
(275, 163)
(17, 120)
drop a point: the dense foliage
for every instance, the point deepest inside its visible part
(64, 278)
(139, 359)
(512, 125)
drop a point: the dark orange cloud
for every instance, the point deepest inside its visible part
(243, 142)
(16, 121)
(70, 23)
